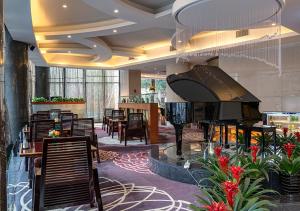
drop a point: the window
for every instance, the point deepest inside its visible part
(100, 88)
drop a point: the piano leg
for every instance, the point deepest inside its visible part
(226, 137)
(205, 131)
(178, 131)
(221, 135)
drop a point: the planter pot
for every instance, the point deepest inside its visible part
(274, 181)
(290, 184)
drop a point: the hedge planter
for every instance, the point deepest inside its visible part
(290, 184)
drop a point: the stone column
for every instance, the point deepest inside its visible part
(3, 202)
(130, 82)
(42, 82)
(174, 68)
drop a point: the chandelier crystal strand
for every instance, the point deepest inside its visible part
(263, 24)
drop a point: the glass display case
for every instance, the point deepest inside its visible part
(290, 120)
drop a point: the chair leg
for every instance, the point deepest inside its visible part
(98, 155)
(125, 140)
(36, 194)
(97, 190)
(146, 141)
(26, 163)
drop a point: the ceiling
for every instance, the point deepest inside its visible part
(109, 34)
(77, 12)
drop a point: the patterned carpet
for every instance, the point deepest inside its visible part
(126, 184)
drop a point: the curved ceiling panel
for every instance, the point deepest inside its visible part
(52, 13)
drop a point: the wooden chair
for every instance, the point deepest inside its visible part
(134, 128)
(40, 115)
(39, 129)
(66, 177)
(66, 120)
(114, 125)
(85, 127)
(106, 117)
(54, 113)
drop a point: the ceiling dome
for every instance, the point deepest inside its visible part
(211, 15)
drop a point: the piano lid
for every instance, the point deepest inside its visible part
(208, 84)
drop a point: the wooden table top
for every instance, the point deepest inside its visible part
(36, 150)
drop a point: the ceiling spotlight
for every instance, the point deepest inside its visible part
(115, 30)
(65, 6)
(179, 41)
(116, 11)
(69, 36)
(273, 24)
(95, 46)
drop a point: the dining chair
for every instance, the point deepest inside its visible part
(66, 120)
(40, 115)
(134, 128)
(39, 129)
(85, 127)
(114, 124)
(106, 117)
(54, 113)
(66, 177)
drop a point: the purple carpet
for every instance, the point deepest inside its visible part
(126, 184)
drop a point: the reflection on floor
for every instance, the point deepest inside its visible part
(125, 180)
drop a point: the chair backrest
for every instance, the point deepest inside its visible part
(66, 120)
(66, 174)
(54, 113)
(135, 121)
(83, 127)
(118, 114)
(39, 129)
(40, 116)
(108, 112)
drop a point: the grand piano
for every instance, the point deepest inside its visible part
(211, 96)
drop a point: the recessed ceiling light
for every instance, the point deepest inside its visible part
(273, 24)
(65, 6)
(116, 11)
(69, 36)
(95, 46)
(115, 30)
(179, 41)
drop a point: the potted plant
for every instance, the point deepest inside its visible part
(233, 187)
(289, 168)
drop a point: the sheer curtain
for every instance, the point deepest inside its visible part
(74, 83)
(95, 93)
(56, 81)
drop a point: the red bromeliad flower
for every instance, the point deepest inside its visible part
(237, 172)
(297, 134)
(254, 150)
(289, 149)
(218, 151)
(231, 189)
(285, 131)
(217, 206)
(223, 163)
